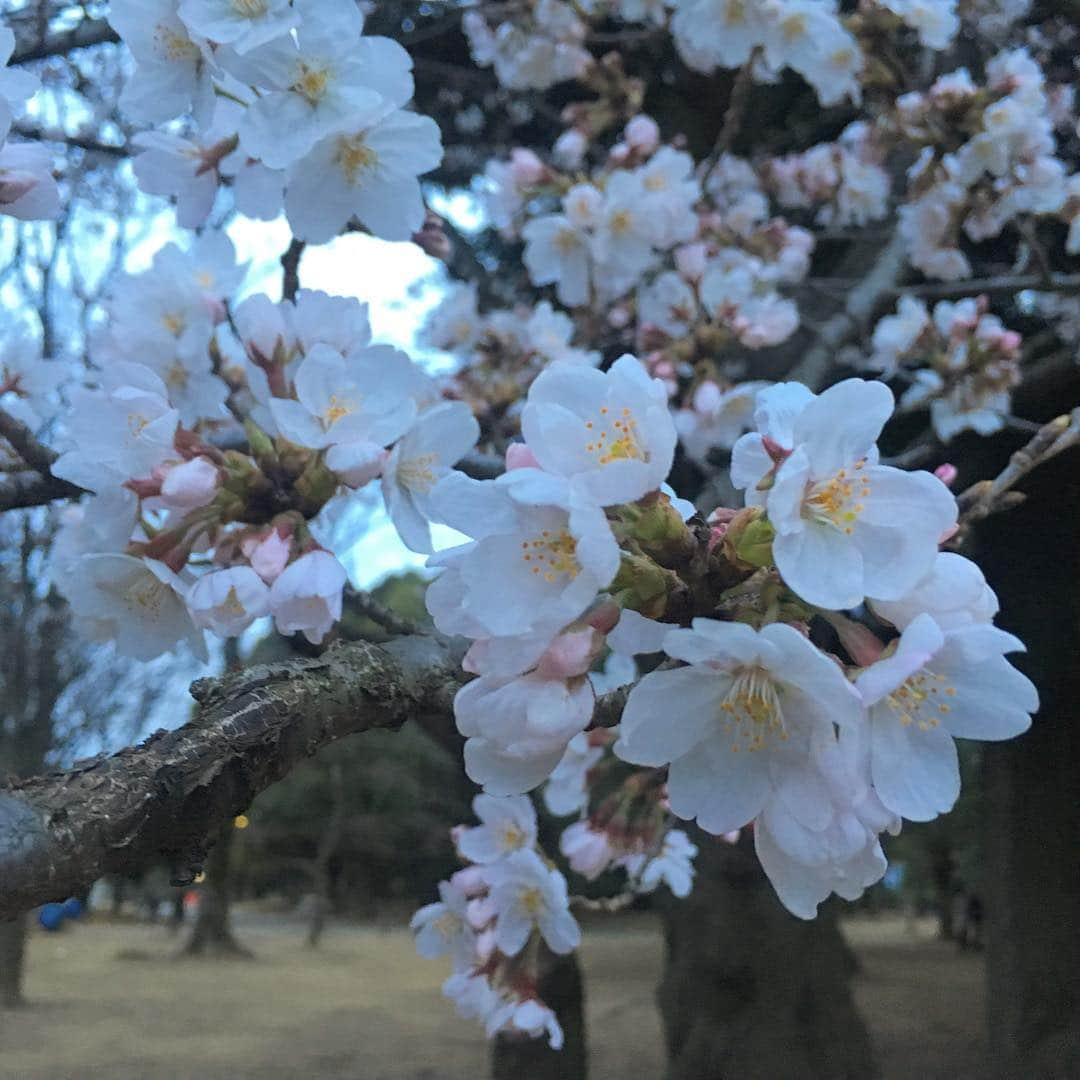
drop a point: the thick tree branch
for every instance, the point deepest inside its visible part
(168, 796)
(89, 32)
(856, 313)
(1006, 283)
(23, 489)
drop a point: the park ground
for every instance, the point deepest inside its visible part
(106, 1002)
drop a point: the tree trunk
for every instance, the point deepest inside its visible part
(328, 845)
(750, 992)
(1033, 790)
(212, 934)
(517, 1057)
(12, 956)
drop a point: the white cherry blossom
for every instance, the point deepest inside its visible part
(507, 825)
(438, 438)
(528, 896)
(306, 596)
(846, 527)
(443, 927)
(368, 169)
(750, 708)
(228, 601)
(140, 600)
(243, 24)
(936, 686)
(608, 434)
(344, 399)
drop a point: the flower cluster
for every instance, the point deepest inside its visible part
(491, 917)
(628, 826)
(292, 106)
(843, 180)
(546, 531)
(824, 748)
(537, 47)
(27, 188)
(183, 535)
(821, 729)
(966, 362)
(807, 36)
(988, 157)
(502, 351)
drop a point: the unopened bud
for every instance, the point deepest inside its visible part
(749, 538)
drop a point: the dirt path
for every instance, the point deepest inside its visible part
(366, 1007)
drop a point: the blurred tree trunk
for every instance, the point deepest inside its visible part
(212, 934)
(749, 992)
(562, 989)
(12, 952)
(1033, 789)
(328, 845)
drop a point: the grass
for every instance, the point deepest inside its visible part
(366, 1006)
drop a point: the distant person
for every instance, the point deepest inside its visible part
(972, 936)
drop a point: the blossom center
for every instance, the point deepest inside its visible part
(336, 408)
(447, 925)
(919, 700)
(177, 376)
(145, 593)
(622, 222)
(250, 9)
(751, 712)
(838, 501)
(566, 241)
(355, 157)
(312, 83)
(618, 438)
(417, 473)
(231, 605)
(552, 554)
(512, 837)
(174, 45)
(532, 900)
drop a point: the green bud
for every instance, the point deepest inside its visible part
(748, 540)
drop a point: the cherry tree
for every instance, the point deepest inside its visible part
(744, 269)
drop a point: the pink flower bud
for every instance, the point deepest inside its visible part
(706, 398)
(604, 616)
(526, 168)
(270, 556)
(643, 133)
(570, 654)
(620, 152)
(215, 306)
(569, 149)
(690, 260)
(946, 474)
(190, 485)
(470, 880)
(519, 456)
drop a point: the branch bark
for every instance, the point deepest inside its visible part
(168, 796)
(89, 32)
(856, 313)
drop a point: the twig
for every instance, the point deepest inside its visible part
(23, 442)
(989, 496)
(290, 264)
(856, 313)
(1006, 283)
(733, 116)
(379, 613)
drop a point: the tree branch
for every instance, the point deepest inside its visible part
(1006, 283)
(169, 796)
(853, 317)
(21, 489)
(89, 32)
